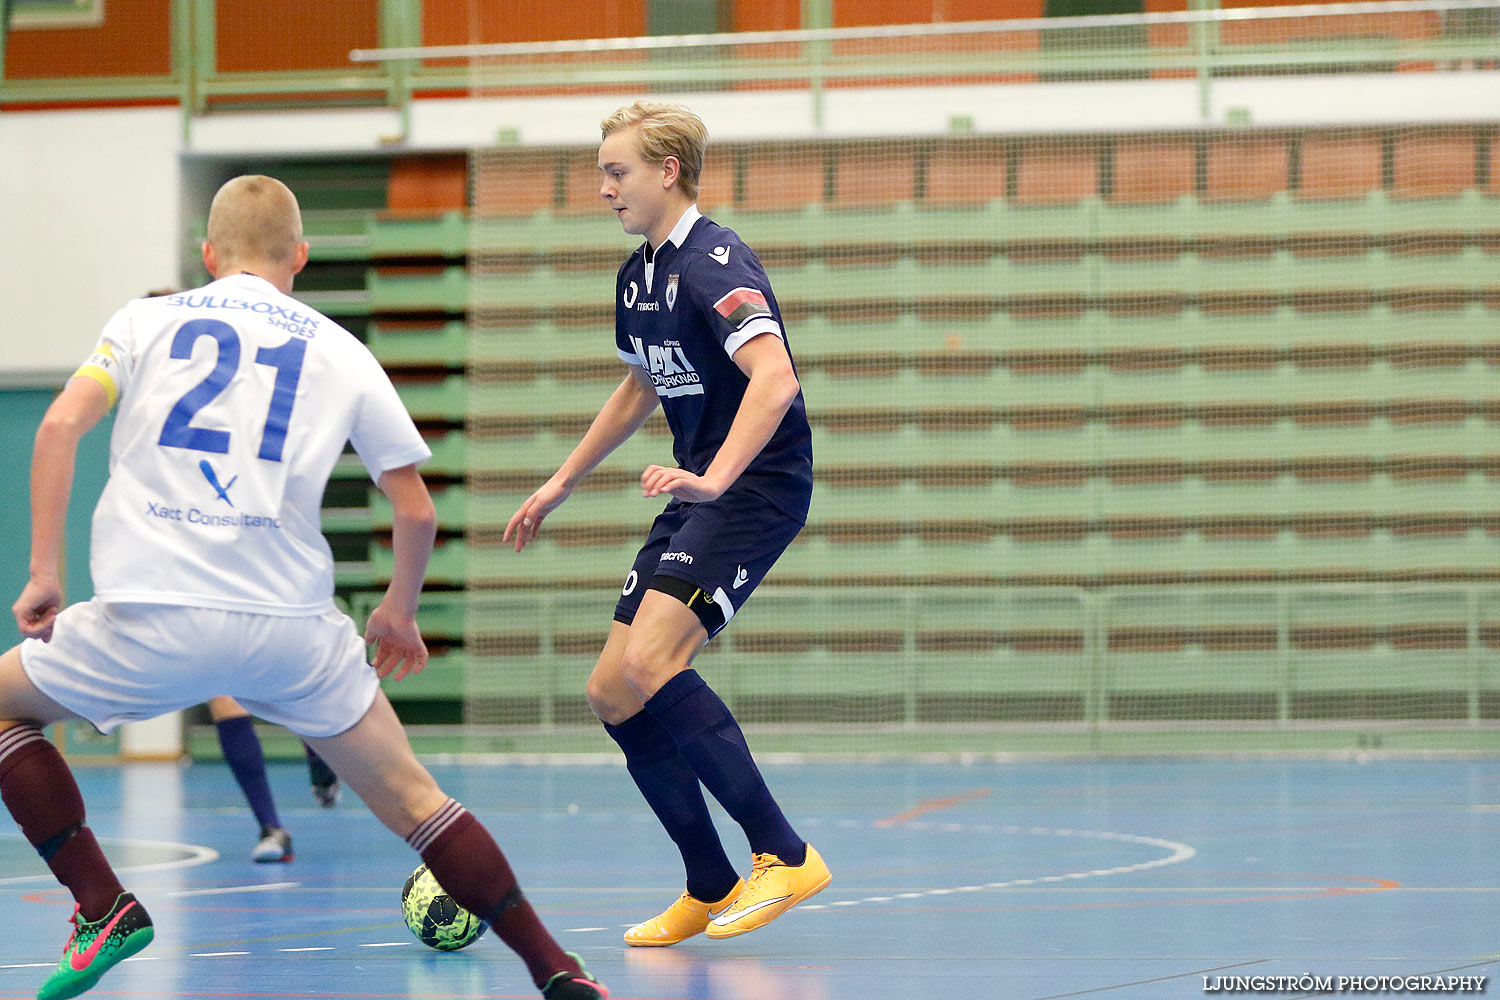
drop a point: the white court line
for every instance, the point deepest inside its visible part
(385, 944)
(304, 949)
(580, 930)
(1176, 854)
(267, 887)
(216, 954)
(197, 854)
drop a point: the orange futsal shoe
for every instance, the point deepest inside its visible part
(680, 921)
(774, 888)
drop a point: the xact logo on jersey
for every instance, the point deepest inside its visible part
(198, 516)
(671, 372)
(203, 518)
(213, 480)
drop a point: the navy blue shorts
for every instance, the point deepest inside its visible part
(723, 548)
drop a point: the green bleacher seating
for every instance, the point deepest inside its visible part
(417, 289)
(427, 344)
(447, 567)
(445, 678)
(449, 455)
(441, 617)
(337, 235)
(441, 398)
(1224, 380)
(451, 504)
(444, 235)
(342, 185)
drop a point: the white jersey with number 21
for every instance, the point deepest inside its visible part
(234, 403)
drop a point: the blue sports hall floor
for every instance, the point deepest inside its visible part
(1034, 880)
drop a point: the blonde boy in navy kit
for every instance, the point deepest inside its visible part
(698, 325)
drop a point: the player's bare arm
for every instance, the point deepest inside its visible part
(392, 626)
(75, 412)
(627, 408)
(773, 386)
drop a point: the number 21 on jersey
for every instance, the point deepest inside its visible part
(178, 430)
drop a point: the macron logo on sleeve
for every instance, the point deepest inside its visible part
(720, 254)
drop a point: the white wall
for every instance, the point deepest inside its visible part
(90, 201)
(88, 219)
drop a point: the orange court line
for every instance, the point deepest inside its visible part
(933, 805)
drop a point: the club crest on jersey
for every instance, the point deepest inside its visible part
(671, 291)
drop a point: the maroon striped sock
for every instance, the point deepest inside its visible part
(39, 790)
(468, 864)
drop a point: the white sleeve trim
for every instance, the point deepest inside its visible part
(749, 331)
(630, 357)
(398, 460)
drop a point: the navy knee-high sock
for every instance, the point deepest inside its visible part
(670, 786)
(243, 754)
(318, 771)
(711, 742)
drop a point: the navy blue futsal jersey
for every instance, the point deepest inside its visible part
(681, 315)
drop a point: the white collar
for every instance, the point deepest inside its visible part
(680, 231)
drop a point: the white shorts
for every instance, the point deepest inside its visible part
(114, 663)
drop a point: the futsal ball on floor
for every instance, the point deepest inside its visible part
(433, 916)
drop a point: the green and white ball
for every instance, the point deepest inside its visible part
(433, 916)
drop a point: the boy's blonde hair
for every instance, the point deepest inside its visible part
(255, 218)
(664, 130)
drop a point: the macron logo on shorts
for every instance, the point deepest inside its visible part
(681, 557)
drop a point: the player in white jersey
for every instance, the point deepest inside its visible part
(212, 577)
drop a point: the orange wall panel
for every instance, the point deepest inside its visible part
(768, 15)
(134, 40)
(281, 35)
(449, 22)
(862, 13)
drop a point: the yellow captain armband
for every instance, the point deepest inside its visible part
(101, 367)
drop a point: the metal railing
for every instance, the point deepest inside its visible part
(1202, 45)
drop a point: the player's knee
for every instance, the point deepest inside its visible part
(603, 700)
(645, 674)
(418, 799)
(635, 669)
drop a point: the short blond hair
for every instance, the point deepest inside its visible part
(255, 218)
(664, 130)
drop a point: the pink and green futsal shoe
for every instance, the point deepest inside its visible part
(96, 947)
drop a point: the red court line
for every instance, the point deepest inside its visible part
(1327, 892)
(933, 805)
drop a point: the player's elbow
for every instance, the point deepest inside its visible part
(59, 426)
(417, 514)
(413, 514)
(781, 384)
